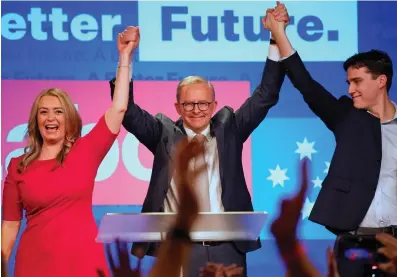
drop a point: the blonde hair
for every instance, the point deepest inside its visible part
(193, 80)
(73, 126)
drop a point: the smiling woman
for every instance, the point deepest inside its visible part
(53, 123)
(53, 181)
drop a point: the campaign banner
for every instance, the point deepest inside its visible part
(216, 31)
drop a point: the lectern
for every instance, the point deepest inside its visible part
(153, 227)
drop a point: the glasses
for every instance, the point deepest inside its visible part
(202, 106)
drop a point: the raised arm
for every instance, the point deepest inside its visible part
(144, 126)
(284, 229)
(266, 95)
(11, 212)
(320, 101)
(101, 138)
(114, 116)
(178, 240)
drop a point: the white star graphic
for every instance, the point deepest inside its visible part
(327, 164)
(278, 176)
(317, 182)
(305, 149)
(307, 208)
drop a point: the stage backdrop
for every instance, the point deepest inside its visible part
(71, 45)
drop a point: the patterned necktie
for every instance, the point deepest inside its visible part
(202, 183)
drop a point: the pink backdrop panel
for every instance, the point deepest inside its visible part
(124, 174)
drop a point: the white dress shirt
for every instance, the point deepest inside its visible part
(383, 209)
(215, 188)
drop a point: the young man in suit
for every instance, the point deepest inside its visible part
(223, 187)
(359, 195)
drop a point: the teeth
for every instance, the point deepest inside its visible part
(51, 127)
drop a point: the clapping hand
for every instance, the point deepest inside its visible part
(123, 257)
(184, 177)
(219, 270)
(332, 265)
(285, 226)
(389, 250)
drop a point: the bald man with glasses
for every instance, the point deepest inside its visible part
(222, 187)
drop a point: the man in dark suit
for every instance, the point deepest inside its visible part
(359, 195)
(224, 133)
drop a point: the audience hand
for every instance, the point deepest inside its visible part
(285, 226)
(3, 266)
(233, 271)
(389, 250)
(184, 177)
(123, 257)
(219, 270)
(212, 270)
(332, 265)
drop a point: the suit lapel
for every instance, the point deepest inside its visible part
(376, 128)
(216, 130)
(377, 133)
(173, 138)
(219, 134)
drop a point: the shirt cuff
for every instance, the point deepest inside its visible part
(283, 58)
(274, 53)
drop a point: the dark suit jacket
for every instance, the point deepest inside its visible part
(231, 129)
(350, 185)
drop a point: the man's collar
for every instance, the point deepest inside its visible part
(190, 133)
(394, 120)
(395, 107)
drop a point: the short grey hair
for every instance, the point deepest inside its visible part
(193, 80)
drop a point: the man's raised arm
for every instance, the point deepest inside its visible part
(266, 95)
(320, 101)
